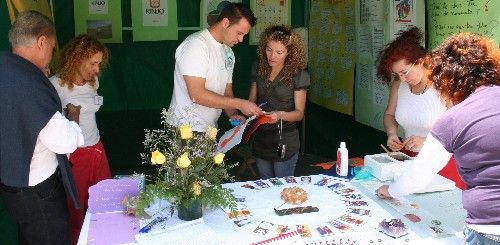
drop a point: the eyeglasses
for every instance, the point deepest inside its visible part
(404, 74)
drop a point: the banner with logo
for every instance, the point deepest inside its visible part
(16, 6)
(332, 53)
(154, 20)
(101, 19)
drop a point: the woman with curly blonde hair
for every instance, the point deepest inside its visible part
(465, 71)
(76, 83)
(279, 85)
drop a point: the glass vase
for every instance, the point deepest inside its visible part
(189, 210)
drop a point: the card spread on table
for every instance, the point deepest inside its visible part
(324, 230)
(322, 182)
(304, 230)
(351, 220)
(290, 180)
(263, 228)
(249, 186)
(243, 222)
(275, 181)
(305, 180)
(358, 211)
(339, 225)
(262, 184)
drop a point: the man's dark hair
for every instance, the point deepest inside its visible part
(235, 11)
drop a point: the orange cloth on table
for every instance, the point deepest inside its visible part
(89, 166)
(354, 162)
(449, 171)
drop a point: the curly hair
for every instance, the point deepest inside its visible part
(461, 64)
(406, 46)
(79, 49)
(295, 59)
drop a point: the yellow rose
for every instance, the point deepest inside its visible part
(196, 188)
(219, 158)
(186, 132)
(157, 157)
(212, 133)
(183, 161)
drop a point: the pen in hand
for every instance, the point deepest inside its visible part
(263, 104)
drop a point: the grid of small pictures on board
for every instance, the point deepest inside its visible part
(269, 12)
(333, 212)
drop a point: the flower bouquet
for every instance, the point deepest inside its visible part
(190, 171)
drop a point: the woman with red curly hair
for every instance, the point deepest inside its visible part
(413, 104)
(279, 85)
(465, 70)
(76, 83)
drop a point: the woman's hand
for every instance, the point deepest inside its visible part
(275, 116)
(394, 143)
(414, 143)
(73, 112)
(383, 192)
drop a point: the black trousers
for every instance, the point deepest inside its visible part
(40, 211)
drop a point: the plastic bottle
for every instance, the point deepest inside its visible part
(342, 160)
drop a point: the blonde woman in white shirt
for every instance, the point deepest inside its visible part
(76, 83)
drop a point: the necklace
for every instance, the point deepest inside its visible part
(418, 93)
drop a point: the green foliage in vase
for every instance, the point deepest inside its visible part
(188, 167)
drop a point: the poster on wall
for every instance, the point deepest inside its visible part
(479, 16)
(269, 12)
(404, 15)
(101, 19)
(332, 53)
(154, 20)
(210, 10)
(16, 6)
(373, 33)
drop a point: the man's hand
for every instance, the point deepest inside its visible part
(73, 112)
(249, 108)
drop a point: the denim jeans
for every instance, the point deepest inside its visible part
(40, 211)
(269, 169)
(473, 237)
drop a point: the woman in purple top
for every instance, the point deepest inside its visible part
(465, 70)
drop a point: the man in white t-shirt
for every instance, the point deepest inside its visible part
(203, 72)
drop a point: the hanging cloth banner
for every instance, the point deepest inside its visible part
(154, 20)
(17, 6)
(448, 17)
(101, 19)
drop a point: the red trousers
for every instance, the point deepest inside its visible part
(449, 171)
(89, 166)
